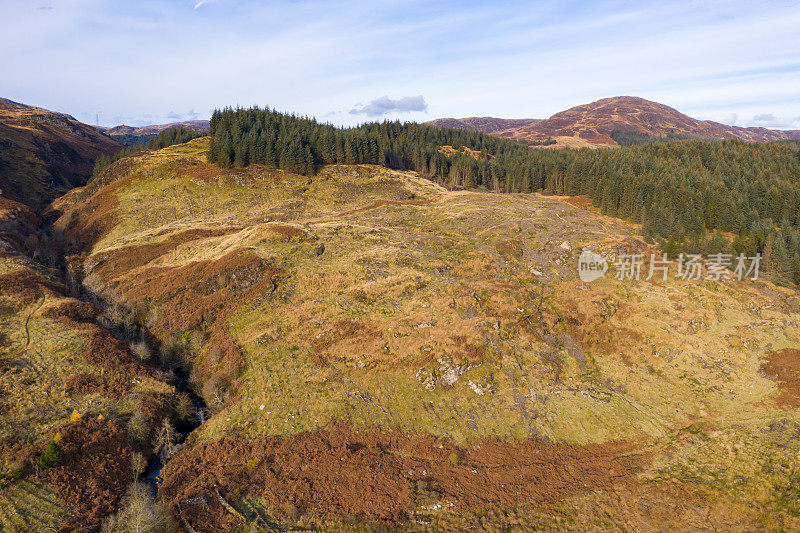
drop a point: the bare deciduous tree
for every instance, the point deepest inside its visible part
(164, 444)
(139, 514)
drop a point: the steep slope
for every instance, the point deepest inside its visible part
(44, 154)
(200, 126)
(366, 324)
(592, 124)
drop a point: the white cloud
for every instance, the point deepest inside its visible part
(723, 118)
(768, 120)
(386, 106)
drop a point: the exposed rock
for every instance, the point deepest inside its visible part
(427, 379)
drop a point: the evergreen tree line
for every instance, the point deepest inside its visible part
(694, 195)
(240, 137)
(633, 137)
(128, 140)
(547, 142)
(139, 143)
(172, 136)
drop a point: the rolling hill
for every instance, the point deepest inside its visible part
(348, 322)
(365, 323)
(44, 154)
(199, 126)
(592, 125)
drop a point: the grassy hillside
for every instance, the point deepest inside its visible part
(367, 324)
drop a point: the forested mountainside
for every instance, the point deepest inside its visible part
(681, 191)
(199, 126)
(483, 124)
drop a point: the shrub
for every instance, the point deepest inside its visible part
(51, 456)
(138, 464)
(214, 357)
(141, 351)
(164, 444)
(138, 428)
(253, 463)
(215, 392)
(183, 408)
(13, 470)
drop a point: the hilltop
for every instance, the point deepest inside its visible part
(43, 154)
(592, 125)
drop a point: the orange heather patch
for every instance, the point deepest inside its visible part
(201, 295)
(784, 367)
(327, 469)
(99, 448)
(116, 263)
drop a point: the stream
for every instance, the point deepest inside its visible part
(55, 257)
(152, 475)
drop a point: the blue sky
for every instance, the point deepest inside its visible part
(147, 61)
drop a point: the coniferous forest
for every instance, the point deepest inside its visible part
(691, 195)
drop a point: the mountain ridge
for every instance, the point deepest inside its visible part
(199, 126)
(593, 123)
(43, 153)
(483, 124)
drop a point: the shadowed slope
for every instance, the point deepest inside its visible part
(44, 154)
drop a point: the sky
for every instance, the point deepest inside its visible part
(140, 62)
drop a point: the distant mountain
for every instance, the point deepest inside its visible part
(483, 124)
(43, 154)
(199, 126)
(592, 124)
